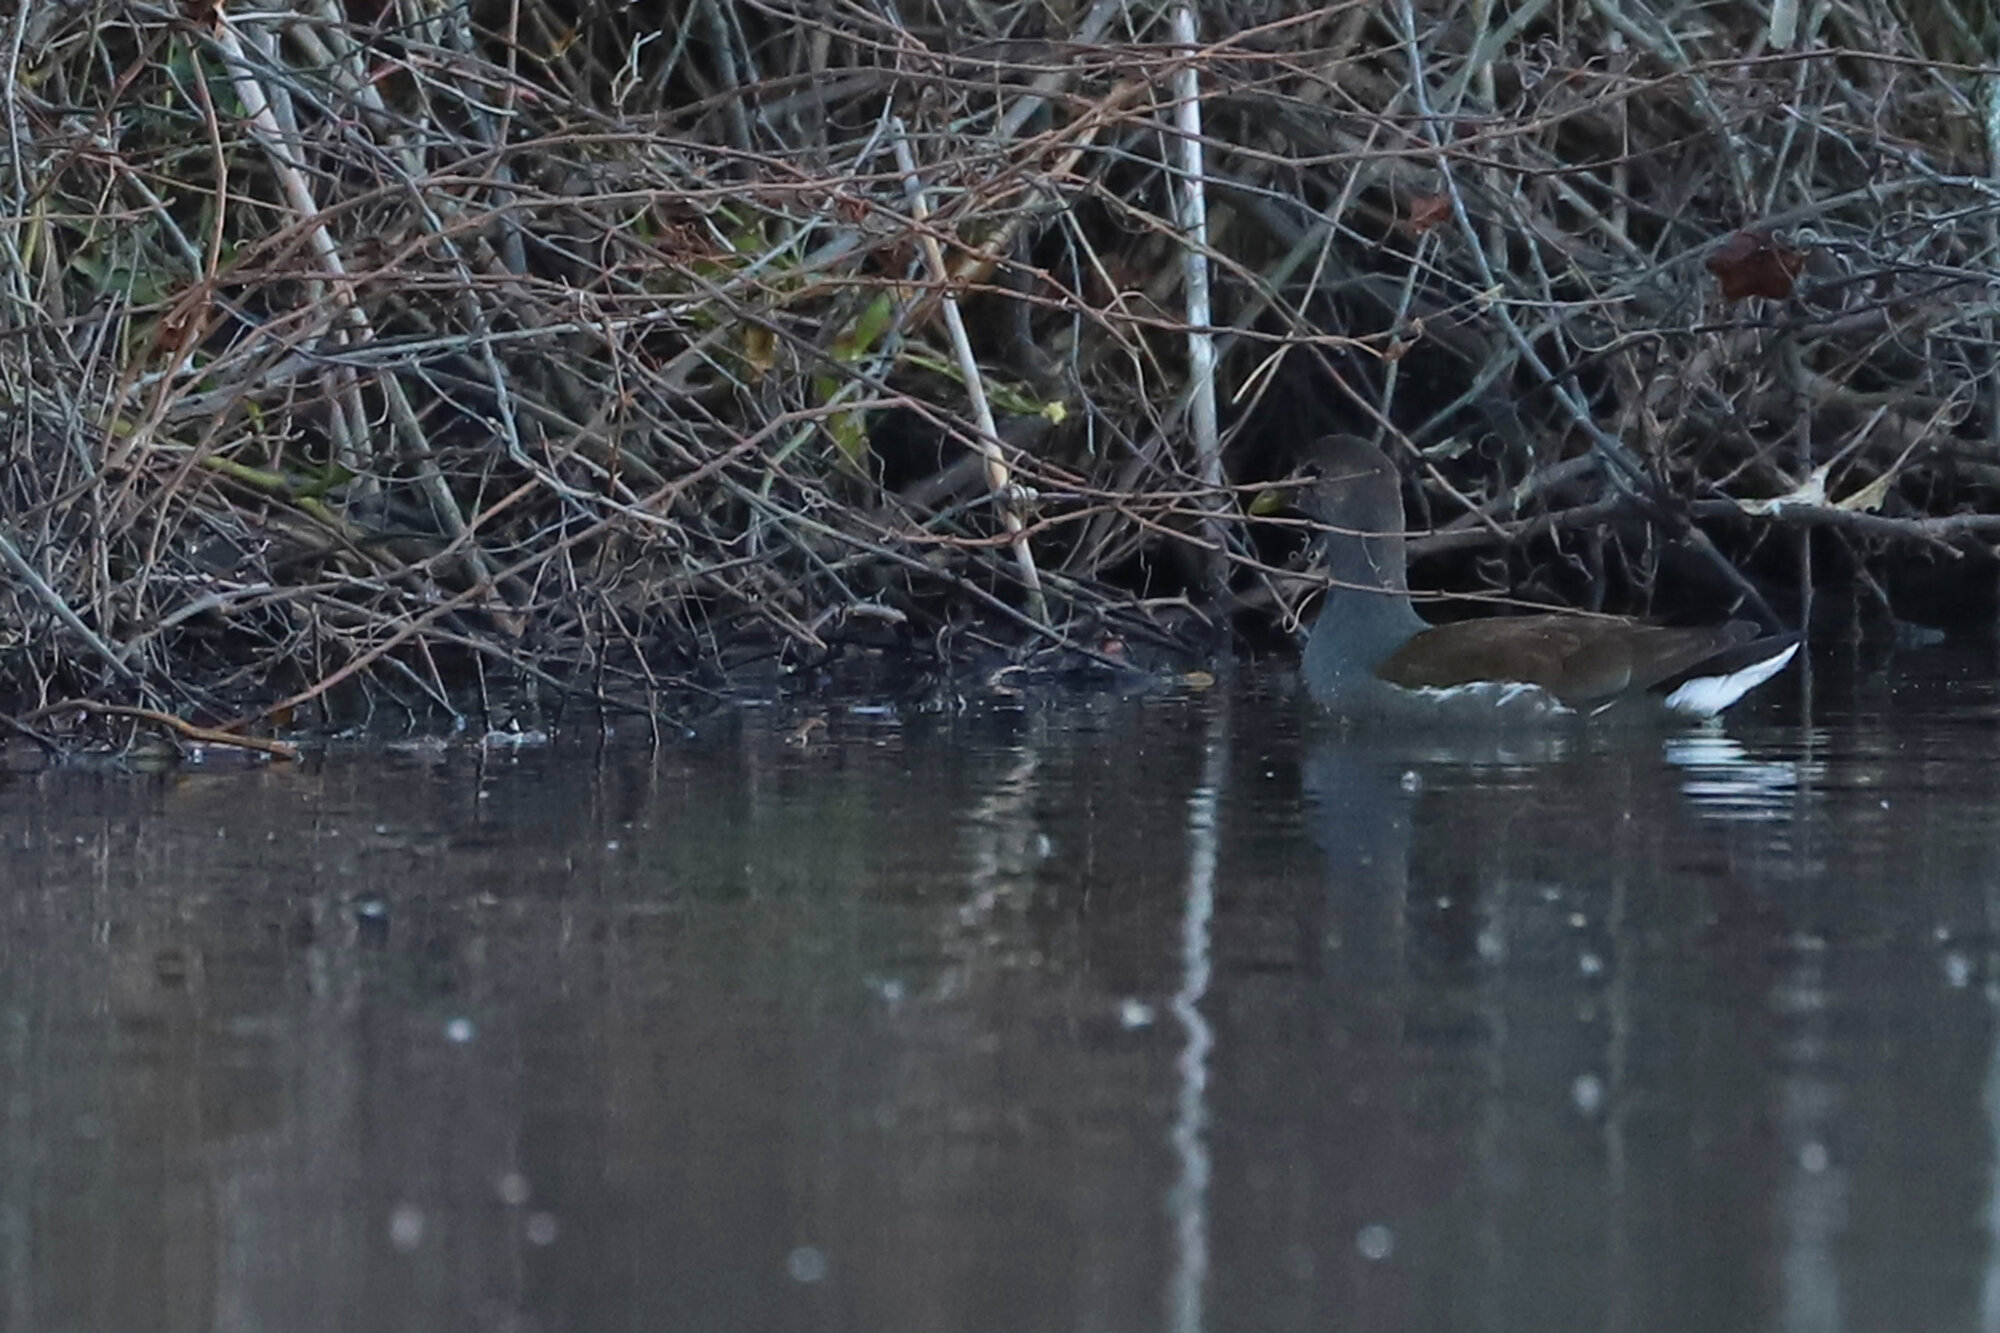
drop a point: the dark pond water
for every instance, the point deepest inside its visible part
(1167, 1013)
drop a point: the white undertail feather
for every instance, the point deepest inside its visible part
(1705, 696)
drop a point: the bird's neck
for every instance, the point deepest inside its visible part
(1366, 614)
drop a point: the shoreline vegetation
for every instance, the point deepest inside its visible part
(359, 354)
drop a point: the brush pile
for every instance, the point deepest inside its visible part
(386, 345)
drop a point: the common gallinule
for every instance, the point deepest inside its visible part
(1371, 653)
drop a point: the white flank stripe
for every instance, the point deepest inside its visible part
(1516, 696)
(1705, 696)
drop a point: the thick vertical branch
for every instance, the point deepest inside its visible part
(1191, 199)
(999, 478)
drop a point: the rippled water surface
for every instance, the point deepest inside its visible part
(1096, 1014)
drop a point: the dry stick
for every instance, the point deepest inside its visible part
(1784, 24)
(1420, 260)
(433, 612)
(418, 624)
(416, 444)
(1478, 66)
(917, 565)
(180, 726)
(1624, 469)
(272, 138)
(1666, 47)
(1193, 201)
(346, 421)
(1093, 26)
(492, 126)
(49, 744)
(1992, 110)
(1515, 497)
(11, 556)
(275, 141)
(998, 482)
(1445, 539)
(1083, 127)
(1938, 532)
(194, 309)
(1479, 71)
(725, 58)
(1081, 132)
(19, 137)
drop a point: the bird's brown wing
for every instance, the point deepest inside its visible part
(1581, 660)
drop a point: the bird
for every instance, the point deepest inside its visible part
(1370, 654)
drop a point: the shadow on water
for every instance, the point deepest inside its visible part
(1167, 1013)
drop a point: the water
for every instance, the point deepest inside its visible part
(1171, 1013)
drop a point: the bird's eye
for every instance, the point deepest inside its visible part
(1312, 472)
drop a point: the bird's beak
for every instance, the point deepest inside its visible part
(1273, 501)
